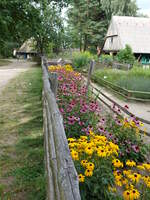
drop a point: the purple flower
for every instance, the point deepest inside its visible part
(135, 148)
(101, 129)
(71, 120)
(118, 122)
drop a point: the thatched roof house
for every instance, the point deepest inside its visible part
(134, 31)
(27, 48)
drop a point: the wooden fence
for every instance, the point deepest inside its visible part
(62, 178)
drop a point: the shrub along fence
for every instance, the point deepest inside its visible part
(62, 178)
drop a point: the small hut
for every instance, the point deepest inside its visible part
(134, 31)
(27, 50)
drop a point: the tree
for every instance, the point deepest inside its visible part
(126, 55)
(90, 18)
(20, 20)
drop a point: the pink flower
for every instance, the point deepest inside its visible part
(71, 120)
(62, 110)
(135, 148)
(126, 106)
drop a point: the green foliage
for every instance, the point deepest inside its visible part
(21, 20)
(81, 59)
(89, 20)
(106, 59)
(135, 83)
(136, 79)
(96, 187)
(126, 55)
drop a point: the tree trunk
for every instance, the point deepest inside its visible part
(85, 43)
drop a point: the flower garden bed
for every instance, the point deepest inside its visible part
(108, 153)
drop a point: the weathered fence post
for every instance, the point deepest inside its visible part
(90, 73)
(62, 177)
(53, 77)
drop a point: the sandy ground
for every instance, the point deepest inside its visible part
(13, 69)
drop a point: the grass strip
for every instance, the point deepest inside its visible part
(21, 138)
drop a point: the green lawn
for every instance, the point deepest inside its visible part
(21, 139)
(137, 79)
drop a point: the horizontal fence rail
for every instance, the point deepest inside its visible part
(129, 94)
(62, 178)
(103, 97)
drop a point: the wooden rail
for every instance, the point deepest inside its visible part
(62, 178)
(106, 98)
(128, 94)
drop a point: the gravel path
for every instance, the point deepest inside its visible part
(13, 69)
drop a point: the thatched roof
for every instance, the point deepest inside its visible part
(28, 46)
(134, 31)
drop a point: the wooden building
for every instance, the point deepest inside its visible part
(134, 31)
(27, 50)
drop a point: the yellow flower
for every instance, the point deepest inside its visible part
(141, 124)
(135, 177)
(84, 163)
(75, 155)
(89, 150)
(130, 163)
(88, 172)
(71, 145)
(127, 172)
(146, 166)
(118, 182)
(101, 153)
(131, 194)
(84, 137)
(90, 166)
(140, 167)
(81, 178)
(71, 140)
(146, 179)
(124, 181)
(117, 163)
(91, 133)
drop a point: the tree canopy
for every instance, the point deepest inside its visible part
(89, 19)
(42, 19)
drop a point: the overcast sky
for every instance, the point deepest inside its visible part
(144, 6)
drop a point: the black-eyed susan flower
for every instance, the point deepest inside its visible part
(81, 178)
(89, 150)
(117, 163)
(140, 167)
(75, 155)
(131, 194)
(84, 163)
(88, 172)
(135, 177)
(90, 166)
(130, 163)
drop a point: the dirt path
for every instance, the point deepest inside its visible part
(13, 69)
(139, 109)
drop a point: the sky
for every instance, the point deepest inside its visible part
(144, 6)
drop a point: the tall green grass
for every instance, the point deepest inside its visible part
(136, 79)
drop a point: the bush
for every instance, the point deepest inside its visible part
(126, 55)
(81, 59)
(106, 59)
